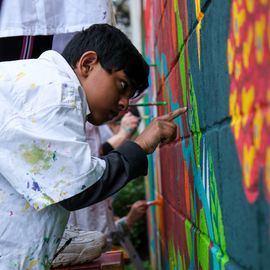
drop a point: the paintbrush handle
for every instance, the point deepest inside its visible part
(158, 103)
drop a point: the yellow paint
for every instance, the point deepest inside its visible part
(268, 96)
(250, 5)
(230, 54)
(248, 159)
(33, 119)
(199, 17)
(20, 75)
(33, 86)
(26, 206)
(268, 107)
(259, 38)
(235, 113)
(257, 127)
(267, 170)
(238, 69)
(247, 101)
(32, 264)
(264, 2)
(238, 18)
(247, 47)
(36, 206)
(175, 4)
(268, 27)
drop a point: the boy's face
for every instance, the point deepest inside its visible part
(107, 94)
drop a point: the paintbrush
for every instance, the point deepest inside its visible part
(158, 103)
(155, 202)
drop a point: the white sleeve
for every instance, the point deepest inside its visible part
(45, 157)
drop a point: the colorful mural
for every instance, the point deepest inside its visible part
(248, 60)
(213, 181)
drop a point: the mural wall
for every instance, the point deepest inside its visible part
(213, 182)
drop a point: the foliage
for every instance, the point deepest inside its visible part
(122, 202)
(146, 265)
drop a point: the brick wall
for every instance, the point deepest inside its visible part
(214, 180)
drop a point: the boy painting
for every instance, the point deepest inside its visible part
(46, 167)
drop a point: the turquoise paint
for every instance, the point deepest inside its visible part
(188, 154)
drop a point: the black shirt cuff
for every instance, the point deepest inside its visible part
(136, 158)
(106, 148)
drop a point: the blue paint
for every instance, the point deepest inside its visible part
(35, 186)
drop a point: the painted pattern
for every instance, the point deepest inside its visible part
(248, 64)
(200, 223)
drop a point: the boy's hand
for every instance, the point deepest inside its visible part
(161, 130)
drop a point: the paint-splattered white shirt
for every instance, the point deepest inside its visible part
(44, 157)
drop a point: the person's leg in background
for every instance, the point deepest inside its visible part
(24, 47)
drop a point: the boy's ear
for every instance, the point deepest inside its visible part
(86, 63)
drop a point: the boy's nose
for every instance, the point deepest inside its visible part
(123, 103)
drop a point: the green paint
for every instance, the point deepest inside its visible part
(180, 34)
(203, 242)
(47, 199)
(180, 261)
(181, 44)
(203, 224)
(194, 115)
(54, 155)
(34, 155)
(46, 239)
(39, 158)
(182, 57)
(224, 260)
(183, 77)
(184, 264)
(172, 256)
(175, 5)
(188, 230)
(46, 164)
(216, 209)
(195, 123)
(216, 213)
(144, 104)
(46, 263)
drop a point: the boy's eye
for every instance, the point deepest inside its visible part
(126, 89)
(123, 85)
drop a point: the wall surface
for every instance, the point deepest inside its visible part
(213, 182)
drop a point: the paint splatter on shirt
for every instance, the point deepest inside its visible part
(43, 161)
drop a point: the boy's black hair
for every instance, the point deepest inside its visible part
(114, 51)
